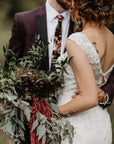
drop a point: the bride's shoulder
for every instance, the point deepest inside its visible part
(78, 38)
(75, 35)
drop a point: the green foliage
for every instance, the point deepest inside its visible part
(24, 79)
(56, 130)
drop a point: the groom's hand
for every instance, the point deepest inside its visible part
(101, 94)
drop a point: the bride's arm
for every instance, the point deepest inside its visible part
(85, 79)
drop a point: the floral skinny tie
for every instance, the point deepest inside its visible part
(57, 38)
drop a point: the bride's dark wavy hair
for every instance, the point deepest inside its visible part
(98, 11)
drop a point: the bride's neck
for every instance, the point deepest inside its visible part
(92, 25)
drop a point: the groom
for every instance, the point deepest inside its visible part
(43, 21)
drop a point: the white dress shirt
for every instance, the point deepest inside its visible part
(52, 22)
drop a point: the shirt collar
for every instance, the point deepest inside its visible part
(52, 13)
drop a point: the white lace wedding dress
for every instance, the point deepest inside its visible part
(92, 126)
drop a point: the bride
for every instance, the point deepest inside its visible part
(92, 61)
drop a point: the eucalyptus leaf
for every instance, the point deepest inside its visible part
(54, 107)
(12, 63)
(10, 96)
(26, 109)
(44, 139)
(35, 124)
(39, 129)
(41, 116)
(41, 132)
(9, 128)
(7, 111)
(21, 124)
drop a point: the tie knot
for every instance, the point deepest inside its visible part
(60, 17)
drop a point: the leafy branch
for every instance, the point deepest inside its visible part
(22, 81)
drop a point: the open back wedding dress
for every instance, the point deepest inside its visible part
(92, 126)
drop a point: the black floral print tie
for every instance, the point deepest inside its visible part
(57, 38)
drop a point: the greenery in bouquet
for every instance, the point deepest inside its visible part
(28, 95)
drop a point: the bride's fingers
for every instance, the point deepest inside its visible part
(73, 96)
(77, 92)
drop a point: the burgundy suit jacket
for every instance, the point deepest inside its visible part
(29, 24)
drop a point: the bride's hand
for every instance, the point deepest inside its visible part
(76, 94)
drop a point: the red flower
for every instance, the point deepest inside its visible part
(59, 48)
(42, 107)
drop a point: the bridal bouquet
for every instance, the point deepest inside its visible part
(29, 95)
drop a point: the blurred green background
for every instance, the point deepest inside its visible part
(7, 10)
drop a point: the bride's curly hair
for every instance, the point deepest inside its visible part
(98, 11)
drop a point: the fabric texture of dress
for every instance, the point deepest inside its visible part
(92, 126)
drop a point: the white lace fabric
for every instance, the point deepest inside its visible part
(92, 126)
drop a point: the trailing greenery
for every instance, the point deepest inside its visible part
(20, 83)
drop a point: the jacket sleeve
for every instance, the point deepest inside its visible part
(109, 89)
(16, 43)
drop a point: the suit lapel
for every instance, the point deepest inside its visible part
(41, 27)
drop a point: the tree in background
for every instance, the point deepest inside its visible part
(20, 5)
(13, 6)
